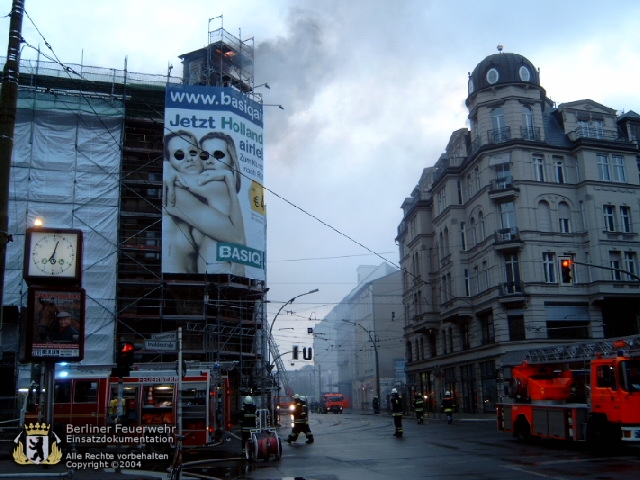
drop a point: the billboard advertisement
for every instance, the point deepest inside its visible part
(214, 218)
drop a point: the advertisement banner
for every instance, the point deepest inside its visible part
(55, 324)
(214, 218)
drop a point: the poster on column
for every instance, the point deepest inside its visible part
(55, 324)
(214, 218)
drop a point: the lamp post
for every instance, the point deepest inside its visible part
(289, 302)
(375, 350)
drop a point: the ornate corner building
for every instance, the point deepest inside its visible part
(528, 184)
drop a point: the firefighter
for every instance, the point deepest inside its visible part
(300, 420)
(247, 420)
(448, 406)
(418, 407)
(396, 411)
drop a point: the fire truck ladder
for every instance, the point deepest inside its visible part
(277, 358)
(582, 351)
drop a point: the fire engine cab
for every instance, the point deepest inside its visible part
(146, 402)
(581, 392)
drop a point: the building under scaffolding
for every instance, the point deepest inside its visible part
(221, 315)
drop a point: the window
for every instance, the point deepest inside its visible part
(450, 339)
(527, 123)
(508, 214)
(516, 327)
(62, 392)
(485, 275)
(464, 336)
(544, 216)
(625, 219)
(630, 265)
(481, 227)
(503, 175)
(493, 76)
(497, 122)
(567, 330)
(447, 249)
(86, 391)
(603, 168)
(615, 264)
(564, 217)
(473, 232)
(538, 167)
(512, 273)
(487, 330)
(467, 283)
(619, 170)
(549, 265)
(460, 199)
(444, 342)
(558, 166)
(463, 235)
(476, 276)
(609, 218)
(525, 74)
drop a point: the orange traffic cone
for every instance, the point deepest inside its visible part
(150, 400)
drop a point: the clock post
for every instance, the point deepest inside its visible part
(56, 301)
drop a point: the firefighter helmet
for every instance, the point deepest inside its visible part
(393, 390)
(447, 394)
(248, 400)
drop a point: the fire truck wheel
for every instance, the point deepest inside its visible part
(601, 434)
(522, 430)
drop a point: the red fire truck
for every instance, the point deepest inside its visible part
(582, 392)
(87, 398)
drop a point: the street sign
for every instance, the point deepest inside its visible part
(161, 345)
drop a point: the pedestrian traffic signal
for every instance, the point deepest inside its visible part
(566, 271)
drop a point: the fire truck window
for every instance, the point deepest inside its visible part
(606, 377)
(86, 391)
(62, 392)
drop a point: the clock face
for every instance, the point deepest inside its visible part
(53, 254)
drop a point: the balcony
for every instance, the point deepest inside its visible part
(511, 293)
(531, 134)
(499, 135)
(507, 239)
(594, 133)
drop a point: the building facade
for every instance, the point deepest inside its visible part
(529, 184)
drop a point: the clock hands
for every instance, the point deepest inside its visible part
(52, 258)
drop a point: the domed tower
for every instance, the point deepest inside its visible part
(505, 100)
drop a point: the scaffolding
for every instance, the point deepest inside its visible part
(221, 315)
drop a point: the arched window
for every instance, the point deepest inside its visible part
(482, 228)
(447, 247)
(473, 240)
(544, 216)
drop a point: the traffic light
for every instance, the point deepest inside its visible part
(124, 359)
(566, 271)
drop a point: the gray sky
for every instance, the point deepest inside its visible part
(371, 90)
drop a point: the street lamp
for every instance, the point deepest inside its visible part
(375, 349)
(289, 302)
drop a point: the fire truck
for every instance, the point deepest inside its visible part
(87, 399)
(331, 402)
(581, 392)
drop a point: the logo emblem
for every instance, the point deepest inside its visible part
(37, 444)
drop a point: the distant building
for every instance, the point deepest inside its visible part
(366, 325)
(485, 229)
